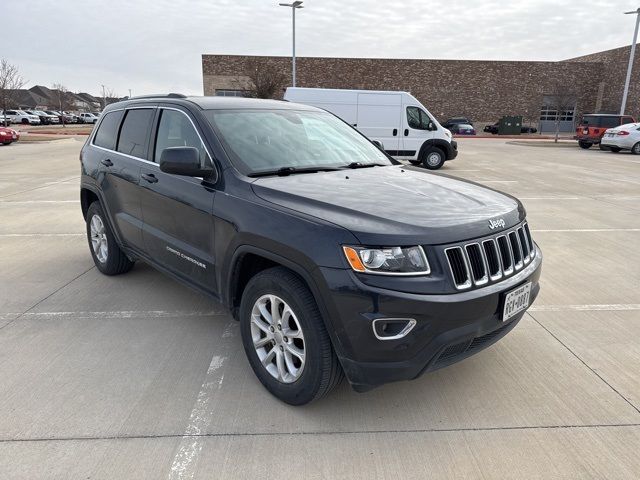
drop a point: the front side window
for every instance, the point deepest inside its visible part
(176, 130)
(417, 118)
(134, 133)
(108, 130)
(263, 140)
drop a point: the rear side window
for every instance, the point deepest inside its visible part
(134, 134)
(609, 122)
(108, 130)
(176, 130)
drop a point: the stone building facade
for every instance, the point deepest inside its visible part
(481, 90)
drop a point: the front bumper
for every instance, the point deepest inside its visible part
(449, 328)
(452, 151)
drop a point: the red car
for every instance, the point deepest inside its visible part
(593, 126)
(8, 135)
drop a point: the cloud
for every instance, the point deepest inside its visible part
(156, 45)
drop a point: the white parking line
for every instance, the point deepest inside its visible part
(117, 314)
(186, 458)
(550, 198)
(586, 307)
(42, 235)
(20, 202)
(495, 181)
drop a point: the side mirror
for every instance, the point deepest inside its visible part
(432, 126)
(183, 161)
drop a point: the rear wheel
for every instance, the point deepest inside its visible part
(106, 253)
(285, 339)
(636, 149)
(583, 144)
(433, 158)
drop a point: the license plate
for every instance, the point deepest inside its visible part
(516, 301)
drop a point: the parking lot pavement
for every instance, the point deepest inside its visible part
(139, 377)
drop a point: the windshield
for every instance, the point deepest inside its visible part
(270, 140)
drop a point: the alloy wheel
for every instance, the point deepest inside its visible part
(99, 239)
(277, 338)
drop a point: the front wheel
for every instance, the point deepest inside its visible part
(285, 339)
(636, 149)
(433, 158)
(106, 252)
(583, 144)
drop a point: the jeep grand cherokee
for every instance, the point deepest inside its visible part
(335, 259)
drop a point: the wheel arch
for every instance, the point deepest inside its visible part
(434, 142)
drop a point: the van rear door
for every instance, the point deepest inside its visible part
(379, 118)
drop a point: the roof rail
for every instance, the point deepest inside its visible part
(161, 95)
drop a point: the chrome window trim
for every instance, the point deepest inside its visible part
(155, 107)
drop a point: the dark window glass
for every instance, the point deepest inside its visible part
(417, 119)
(134, 132)
(108, 131)
(609, 122)
(175, 130)
(627, 120)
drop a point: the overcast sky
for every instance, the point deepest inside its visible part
(152, 46)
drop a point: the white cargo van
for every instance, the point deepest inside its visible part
(400, 123)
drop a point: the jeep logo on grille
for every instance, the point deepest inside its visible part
(498, 223)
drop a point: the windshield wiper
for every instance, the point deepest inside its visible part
(364, 165)
(284, 171)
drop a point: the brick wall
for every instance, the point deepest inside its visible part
(481, 90)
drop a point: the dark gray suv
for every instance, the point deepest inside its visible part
(335, 259)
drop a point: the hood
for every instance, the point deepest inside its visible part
(394, 205)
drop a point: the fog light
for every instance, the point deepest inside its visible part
(392, 328)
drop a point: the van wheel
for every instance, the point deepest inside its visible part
(585, 145)
(285, 339)
(106, 253)
(615, 149)
(433, 158)
(636, 149)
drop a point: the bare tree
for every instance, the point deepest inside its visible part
(10, 81)
(62, 99)
(563, 101)
(266, 79)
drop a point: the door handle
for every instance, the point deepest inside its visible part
(149, 177)
(106, 162)
(395, 132)
(406, 132)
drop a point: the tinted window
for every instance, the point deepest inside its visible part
(134, 133)
(609, 122)
(175, 130)
(108, 130)
(417, 119)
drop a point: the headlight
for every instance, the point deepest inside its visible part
(3, 133)
(388, 260)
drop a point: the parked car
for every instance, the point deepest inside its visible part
(624, 137)
(592, 127)
(8, 135)
(456, 121)
(19, 116)
(87, 118)
(463, 129)
(311, 235)
(71, 117)
(398, 122)
(45, 118)
(493, 129)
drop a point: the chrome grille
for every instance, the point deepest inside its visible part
(478, 263)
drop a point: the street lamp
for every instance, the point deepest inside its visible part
(631, 55)
(293, 6)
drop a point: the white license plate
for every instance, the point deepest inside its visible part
(516, 301)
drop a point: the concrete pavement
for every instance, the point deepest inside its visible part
(139, 377)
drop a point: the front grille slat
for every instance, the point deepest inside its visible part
(489, 260)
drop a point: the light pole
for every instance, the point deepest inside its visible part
(295, 5)
(104, 98)
(631, 55)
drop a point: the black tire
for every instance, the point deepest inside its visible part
(636, 149)
(604, 148)
(6, 143)
(321, 371)
(415, 162)
(433, 158)
(116, 261)
(615, 149)
(585, 145)
(25, 121)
